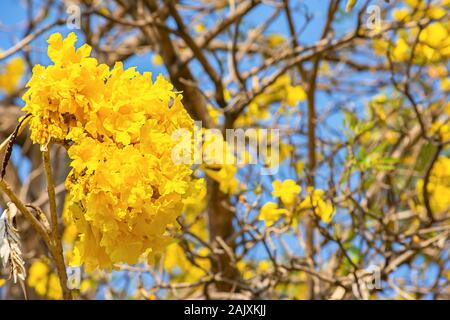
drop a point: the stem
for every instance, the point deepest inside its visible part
(51, 191)
(54, 245)
(309, 221)
(23, 125)
(312, 160)
(56, 248)
(37, 226)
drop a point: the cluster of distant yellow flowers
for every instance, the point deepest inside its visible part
(43, 280)
(433, 41)
(438, 186)
(288, 191)
(282, 91)
(10, 74)
(124, 189)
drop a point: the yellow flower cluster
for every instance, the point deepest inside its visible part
(281, 91)
(44, 281)
(289, 193)
(176, 263)
(270, 213)
(124, 187)
(275, 40)
(286, 191)
(438, 186)
(181, 268)
(220, 163)
(433, 41)
(10, 74)
(314, 200)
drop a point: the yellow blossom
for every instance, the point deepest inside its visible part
(314, 200)
(295, 94)
(181, 268)
(287, 191)
(157, 60)
(263, 266)
(401, 51)
(400, 14)
(199, 28)
(10, 74)
(245, 269)
(219, 162)
(275, 40)
(214, 114)
(438, 186)
(350, 4)
(270, 213)
(44, 281)
(226, 178)
(124, 187)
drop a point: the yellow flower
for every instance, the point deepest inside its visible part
(400, 14)
(445, 84)
(124, 189)
(380, 46)
(263, 266)
(275, 40)
(226, 178)
(299, 167)
(196, 202)
(281, 90)
(350, 4)
(438, 186)
(253, 113)
(199, 28)
(286, 191)
(157, 60)
(401, 51)
(436, 12)
(415, 3)
(219, 162)
(214, 114)
(435, 38)
(270, 213)
(43, 281)
(10, 74)
(62, 51)
(245, 269)
(54, 291)
(183, 270)
(86, 285)
(295, 94)
(314, 200)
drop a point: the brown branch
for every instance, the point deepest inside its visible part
(57, 251)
